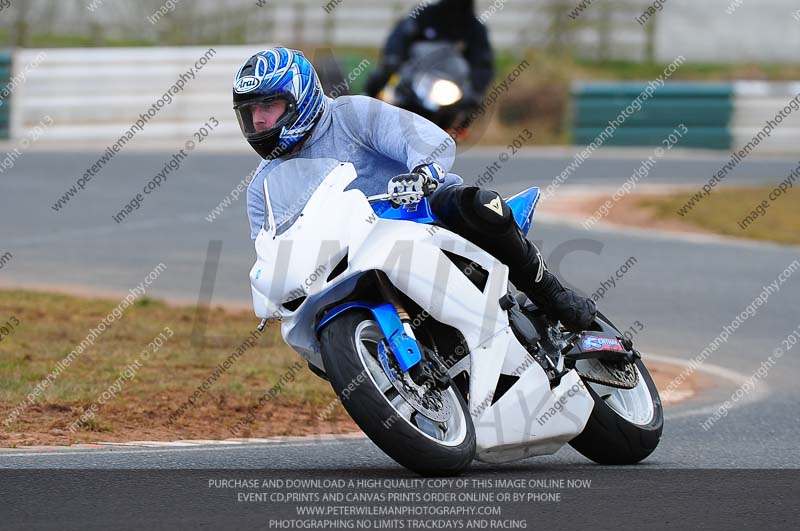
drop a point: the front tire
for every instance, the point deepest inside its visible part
(349, 346)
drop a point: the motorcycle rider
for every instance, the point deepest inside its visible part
(446, 20)
(284, 114)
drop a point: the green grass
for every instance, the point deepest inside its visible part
(70, 40)
(722, 211)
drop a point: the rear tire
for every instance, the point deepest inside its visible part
(370, 408)
(626, 436)
(610, 439)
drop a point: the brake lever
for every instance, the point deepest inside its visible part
(389, 197)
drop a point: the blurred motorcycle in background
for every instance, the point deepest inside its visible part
(434, 83)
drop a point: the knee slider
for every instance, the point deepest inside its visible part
(472, 210)
(489, 208)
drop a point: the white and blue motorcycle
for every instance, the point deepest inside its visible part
(429, 349)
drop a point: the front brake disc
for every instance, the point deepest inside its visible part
(425, 400)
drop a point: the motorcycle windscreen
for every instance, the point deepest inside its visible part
(291, 184)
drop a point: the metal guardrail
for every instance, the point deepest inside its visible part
(5, 101)
(705, 109)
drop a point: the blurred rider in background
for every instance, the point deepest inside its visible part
(447, 20)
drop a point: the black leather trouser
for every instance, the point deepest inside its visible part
(484, 218)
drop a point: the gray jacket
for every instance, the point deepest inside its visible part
(379, 139)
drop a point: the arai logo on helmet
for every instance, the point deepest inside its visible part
(246, 84)
(250, 83)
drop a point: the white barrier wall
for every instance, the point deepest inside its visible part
(759, 31)
(97, 94)
(755, 102)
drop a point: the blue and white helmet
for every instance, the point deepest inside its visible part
(273, 74)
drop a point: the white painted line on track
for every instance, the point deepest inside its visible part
(197, 444)
(192, 448)
(759, 393)
(155, 444)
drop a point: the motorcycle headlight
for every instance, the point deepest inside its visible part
(444, 92)
(434, 93)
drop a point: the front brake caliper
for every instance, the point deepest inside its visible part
(431, 369)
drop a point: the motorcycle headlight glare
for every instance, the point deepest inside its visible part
(434, 93)
(444, 92)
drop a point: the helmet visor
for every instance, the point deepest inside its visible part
(262, 118)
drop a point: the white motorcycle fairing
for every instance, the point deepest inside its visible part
(529, 419)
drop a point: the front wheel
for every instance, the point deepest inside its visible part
(440, 442)
(626, 424)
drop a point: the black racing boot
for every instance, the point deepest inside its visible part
(558, 302)
(575, 312)
(484, 218)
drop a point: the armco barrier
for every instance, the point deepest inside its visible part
(718, 116)
(5, 102)
(705, 109)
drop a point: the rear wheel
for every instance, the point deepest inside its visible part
(425, 430)
(626, 424)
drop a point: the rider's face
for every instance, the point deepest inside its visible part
(267, 115)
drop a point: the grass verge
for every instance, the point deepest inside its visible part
(728, 210)
(143, 390)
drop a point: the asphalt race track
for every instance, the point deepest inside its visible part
(683, 291)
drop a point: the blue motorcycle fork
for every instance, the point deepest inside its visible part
(389, 316)
(402, 345)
